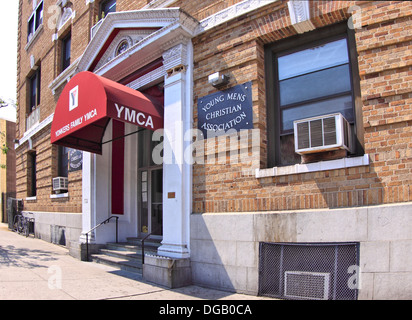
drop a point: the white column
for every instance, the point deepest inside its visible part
(177, 173)
(88, 194)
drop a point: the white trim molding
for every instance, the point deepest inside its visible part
(35, 129)
(59, 196)
(231, 13)
(159, 4)
(299, 11)
(64, 77)
(170, 27)
(314, 167)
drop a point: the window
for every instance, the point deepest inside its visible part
(31, 174)
(309, 77)
(63, 162)
(34, 95)
(66, 51)
(35, 21)
(147, 150)
(106, 7)
(122, 47)
(313, 82)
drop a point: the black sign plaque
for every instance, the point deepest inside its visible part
(228, 110)
(75, 160)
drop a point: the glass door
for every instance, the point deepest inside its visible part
(151, 202)
(150, 191)
(156, 205)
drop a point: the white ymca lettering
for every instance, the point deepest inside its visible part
(77, 122)
(134, 117)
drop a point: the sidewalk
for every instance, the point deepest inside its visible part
(32, 269)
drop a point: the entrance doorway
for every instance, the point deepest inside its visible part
(150, 191)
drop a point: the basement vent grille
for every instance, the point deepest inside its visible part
(307, 285)
(308, 271)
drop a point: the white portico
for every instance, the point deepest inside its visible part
(143, 50)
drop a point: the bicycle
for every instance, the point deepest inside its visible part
(21, 224)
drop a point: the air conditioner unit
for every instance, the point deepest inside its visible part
(60, 184)
(323, 133)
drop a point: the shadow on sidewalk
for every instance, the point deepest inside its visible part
(188, 292)
(10, 256)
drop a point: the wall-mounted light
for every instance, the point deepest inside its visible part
(218, 80)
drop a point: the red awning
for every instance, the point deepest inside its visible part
(87, 104)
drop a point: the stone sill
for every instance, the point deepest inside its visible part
(313, 167)
(59, 195)
(33, 38)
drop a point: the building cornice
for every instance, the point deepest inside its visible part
(230, 13)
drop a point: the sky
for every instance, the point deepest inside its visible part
(8, 56)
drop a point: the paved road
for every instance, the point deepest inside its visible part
(32, 269)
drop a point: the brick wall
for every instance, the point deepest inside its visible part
(127, 5)
(203, 9)
(47, 55)
(237, 48)
(384, 47)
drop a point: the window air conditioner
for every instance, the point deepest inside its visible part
(60, 184)
(323, 133)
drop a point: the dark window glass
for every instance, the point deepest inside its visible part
(341, 104)
(107, 7)
(30, 28)
(318, 73)
(39, 15)
(35, 21)
(34, 90)
(63, 162)
(146, 148)
(313, 59)
(66, 52)
(315, 85)
(124, 45)
(31, 192)
(311, 82)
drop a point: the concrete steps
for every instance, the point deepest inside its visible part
(126, 256)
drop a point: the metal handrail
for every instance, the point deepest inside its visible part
(100, 224)
(144, 239)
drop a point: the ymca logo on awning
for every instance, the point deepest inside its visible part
(87, 104)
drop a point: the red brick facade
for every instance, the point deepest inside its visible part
(236, 47)
(384, 50)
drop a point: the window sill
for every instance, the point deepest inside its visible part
(64, 76)
(33, 38)
(31, 198)
(59, 195)
(313, 167)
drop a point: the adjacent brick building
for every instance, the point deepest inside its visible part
(246, 202)
(7, 165)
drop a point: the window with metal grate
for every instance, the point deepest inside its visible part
(310, 271)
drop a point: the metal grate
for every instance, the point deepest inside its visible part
(307, 285)
(314, 271)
